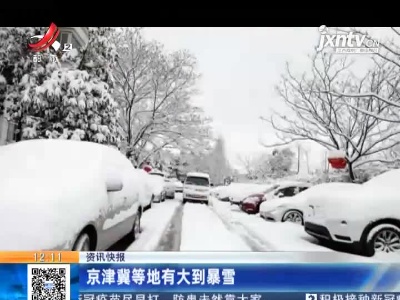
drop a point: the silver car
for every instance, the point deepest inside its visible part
(66, 195)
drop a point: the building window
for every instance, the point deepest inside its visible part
(65, 38)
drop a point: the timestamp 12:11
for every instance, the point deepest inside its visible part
(47, 257)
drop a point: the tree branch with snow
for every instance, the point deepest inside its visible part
(320, 115)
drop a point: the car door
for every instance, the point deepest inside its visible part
(123, 203)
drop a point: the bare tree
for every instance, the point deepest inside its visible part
(320, 116)
(249, 164)
(156, 91)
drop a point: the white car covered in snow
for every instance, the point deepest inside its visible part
(170, 188)
(196, 187)
(66, 195)
(278, 190)
(178, 185)
(367, 217)
(291, 209)
(235, 193)
(157, 179)
(143, 181)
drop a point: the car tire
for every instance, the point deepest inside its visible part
(136, 225)
(293, 216)
(82, 243)
(206, 202)
(386, 239)
(184, 200)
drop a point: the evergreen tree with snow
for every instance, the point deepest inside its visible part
(74, 102)
(15, 62)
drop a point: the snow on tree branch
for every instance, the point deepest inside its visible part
(321, 114)
(49, 101)
(155, 89)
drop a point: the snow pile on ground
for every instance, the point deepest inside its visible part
(155, 222)
(202, 230)
(52, 187)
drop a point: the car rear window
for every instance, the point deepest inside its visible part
(197, 181)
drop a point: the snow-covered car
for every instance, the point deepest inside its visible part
(144, 182)
(196, 187)
(178, 185)
(366, 217)
(237, 192)
(66, 195)
(158, 186)
(278, 190)
(291, 209)
(252, 203)
(169, 188)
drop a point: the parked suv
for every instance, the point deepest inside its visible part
(196, 187)
(366, 216)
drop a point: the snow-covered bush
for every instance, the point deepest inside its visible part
(48, 101)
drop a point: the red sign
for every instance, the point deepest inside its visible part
(338, 162)
(147, 168)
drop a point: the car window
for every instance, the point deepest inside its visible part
(302, 189)
(197, 181)
(287, 192)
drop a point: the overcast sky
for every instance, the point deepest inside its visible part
(240, 68)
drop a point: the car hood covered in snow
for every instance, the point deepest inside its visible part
(292, 202)
(49, 190)
(334, 198)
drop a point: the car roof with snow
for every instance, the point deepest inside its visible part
(197, 174)
(54, 149)
(389, 178)
(286, 184)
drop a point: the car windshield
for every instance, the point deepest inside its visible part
(197, 181)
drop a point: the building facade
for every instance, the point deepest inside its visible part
(78, 37)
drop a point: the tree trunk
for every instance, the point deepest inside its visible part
(18, 137)
(351, 172)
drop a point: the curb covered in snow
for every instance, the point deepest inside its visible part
(155, 223)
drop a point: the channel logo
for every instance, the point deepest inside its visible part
(46, 41)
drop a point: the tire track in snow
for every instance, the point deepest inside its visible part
(203, 230)
(171, 239)
(255, 242)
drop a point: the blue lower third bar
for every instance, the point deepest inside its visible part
(238, 296)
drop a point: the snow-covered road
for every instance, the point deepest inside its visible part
(276, 236)
(172, 226)
(203, 230)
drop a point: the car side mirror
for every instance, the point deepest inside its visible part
(212, 184)
(182, 181)
(114, 184)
